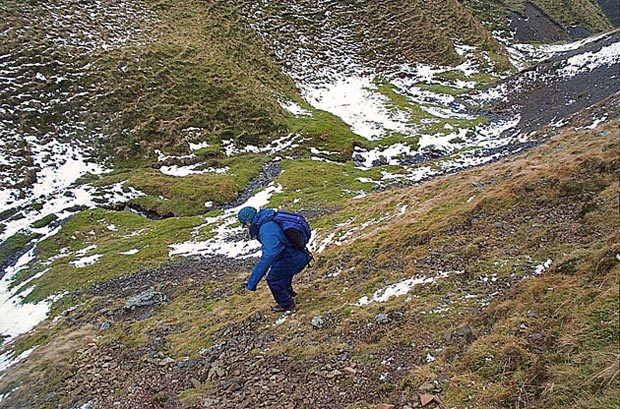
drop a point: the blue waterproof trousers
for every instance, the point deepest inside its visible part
(280, 276)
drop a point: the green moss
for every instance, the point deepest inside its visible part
(15, 243)
(90, 228)
(495, 356)
(24, 344)
(400, 103)
(44, 221)
(186, 196)
(306, 182)
(443, 89)
(480, 79)
(326, 132)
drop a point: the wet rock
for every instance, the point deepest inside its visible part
(333, 374)
(216, 371)
(145, 299)
(105, 325)
(143, 316)
(536, 341)
(427, 387)
(382, 318)
(233, 384)
(463, 332)
(270, 171)
(350, 371)
(160, 359)
(443, 378)
(427, 398)
(380, 161)
(317, 322)
(358, 160)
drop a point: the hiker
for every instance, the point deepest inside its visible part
(279, 256)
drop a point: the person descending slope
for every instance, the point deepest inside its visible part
(283, 237)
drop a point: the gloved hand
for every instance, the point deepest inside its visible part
(249, 288)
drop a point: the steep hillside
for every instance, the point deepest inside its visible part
(496, 287)
(461, 179)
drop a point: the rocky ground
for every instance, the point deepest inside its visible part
(543, 95)
(238, 369)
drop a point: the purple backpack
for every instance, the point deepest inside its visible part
(295, 228)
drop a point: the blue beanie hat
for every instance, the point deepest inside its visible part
(246, 214)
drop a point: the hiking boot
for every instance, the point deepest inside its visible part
(292, 293)
(279, 308)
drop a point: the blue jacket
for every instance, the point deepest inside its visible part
(277, 252)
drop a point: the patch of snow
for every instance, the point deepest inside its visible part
(463, 49)
(228, 239)
(398, 289)
(85, 250)
(129, 252)
(16, 317)
(86, 261)
(578, 64)
(316, 151)
(182, 171)
(521, 53)
(356, 101)
(282, 319)
(197, 146)
(596, 122)
(390, 154)
(539, 269)
(295, 108)
(8, 359)
(289, 141)
(161, 157)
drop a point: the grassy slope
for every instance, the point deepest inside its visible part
(527, 210)
(203, 70)
(547, 341)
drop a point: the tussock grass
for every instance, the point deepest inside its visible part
(547, 340)
(203, 69)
